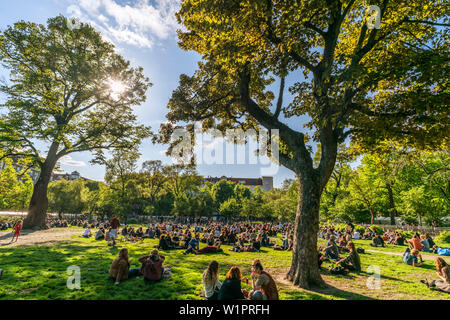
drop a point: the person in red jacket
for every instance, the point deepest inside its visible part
(17, 228)
(152, 266)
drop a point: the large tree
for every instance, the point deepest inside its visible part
(357, 83)
(68, 90)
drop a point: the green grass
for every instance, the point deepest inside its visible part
(39, 272)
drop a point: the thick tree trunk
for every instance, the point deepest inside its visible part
(304, 270)
(392, 210)
(37, 211)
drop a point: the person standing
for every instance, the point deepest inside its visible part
(17, 228)
(115, 224)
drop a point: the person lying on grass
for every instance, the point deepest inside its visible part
(262, 282)
(443, 272)
(231, 287)
(152, 266)
(210, 249)
(352, 262)
(210, 279)
(412, 257)
(120, 267)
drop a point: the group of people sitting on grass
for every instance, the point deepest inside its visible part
(263, 285)
(332, 253)
(151, 267)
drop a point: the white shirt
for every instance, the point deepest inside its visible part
(356, 235)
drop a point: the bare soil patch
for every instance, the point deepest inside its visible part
(28, 237)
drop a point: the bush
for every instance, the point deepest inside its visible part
(406, 234)
(360, 229)
(444, 237)
(377, 229)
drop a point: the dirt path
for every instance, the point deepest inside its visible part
(49, 237)
(424, 256)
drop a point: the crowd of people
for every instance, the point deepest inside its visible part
(340, 250)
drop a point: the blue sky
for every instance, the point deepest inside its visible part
(144, 32)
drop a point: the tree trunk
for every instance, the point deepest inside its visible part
(37, 211)
(304, 270)
(372, 216)
(392, 210)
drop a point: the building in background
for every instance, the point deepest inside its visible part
(264, 182)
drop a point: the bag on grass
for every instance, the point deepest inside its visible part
(360, 250)
(443, 251)
(338, 270)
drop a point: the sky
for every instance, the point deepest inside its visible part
(144, 32)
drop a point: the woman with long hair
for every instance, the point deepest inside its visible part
(443, 272)
(352, 261)
(211, 281)
(231, 287)
(120, 267)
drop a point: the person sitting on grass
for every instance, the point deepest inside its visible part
(377, 241)
(193, 245)
(342, 243)
(352, 261)
(331, 250)
(210, 249)
(412, 257)
(87, 232)
(120, 268)
(231, 287)
(152, 266)
(210, 279)
(100, 234)
(415, 242)
(163, 243)
(356, 235)
(431, 243)
(443, 272)
(399, 240)
(263, 283)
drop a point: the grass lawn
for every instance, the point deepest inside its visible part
(39, 272)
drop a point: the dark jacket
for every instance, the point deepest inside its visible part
(230, 290)
(152, 270)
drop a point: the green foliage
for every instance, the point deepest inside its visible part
(377, 229)
(444, 237)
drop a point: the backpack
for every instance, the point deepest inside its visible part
(360, 250)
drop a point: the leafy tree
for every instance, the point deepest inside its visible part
(15, 188)
(119, 175)
(230, 208)
(70, 91)
(67, 196)
(222, 191)
(359, 83)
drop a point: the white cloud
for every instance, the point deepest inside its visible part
(68, 161)
(141, 23)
